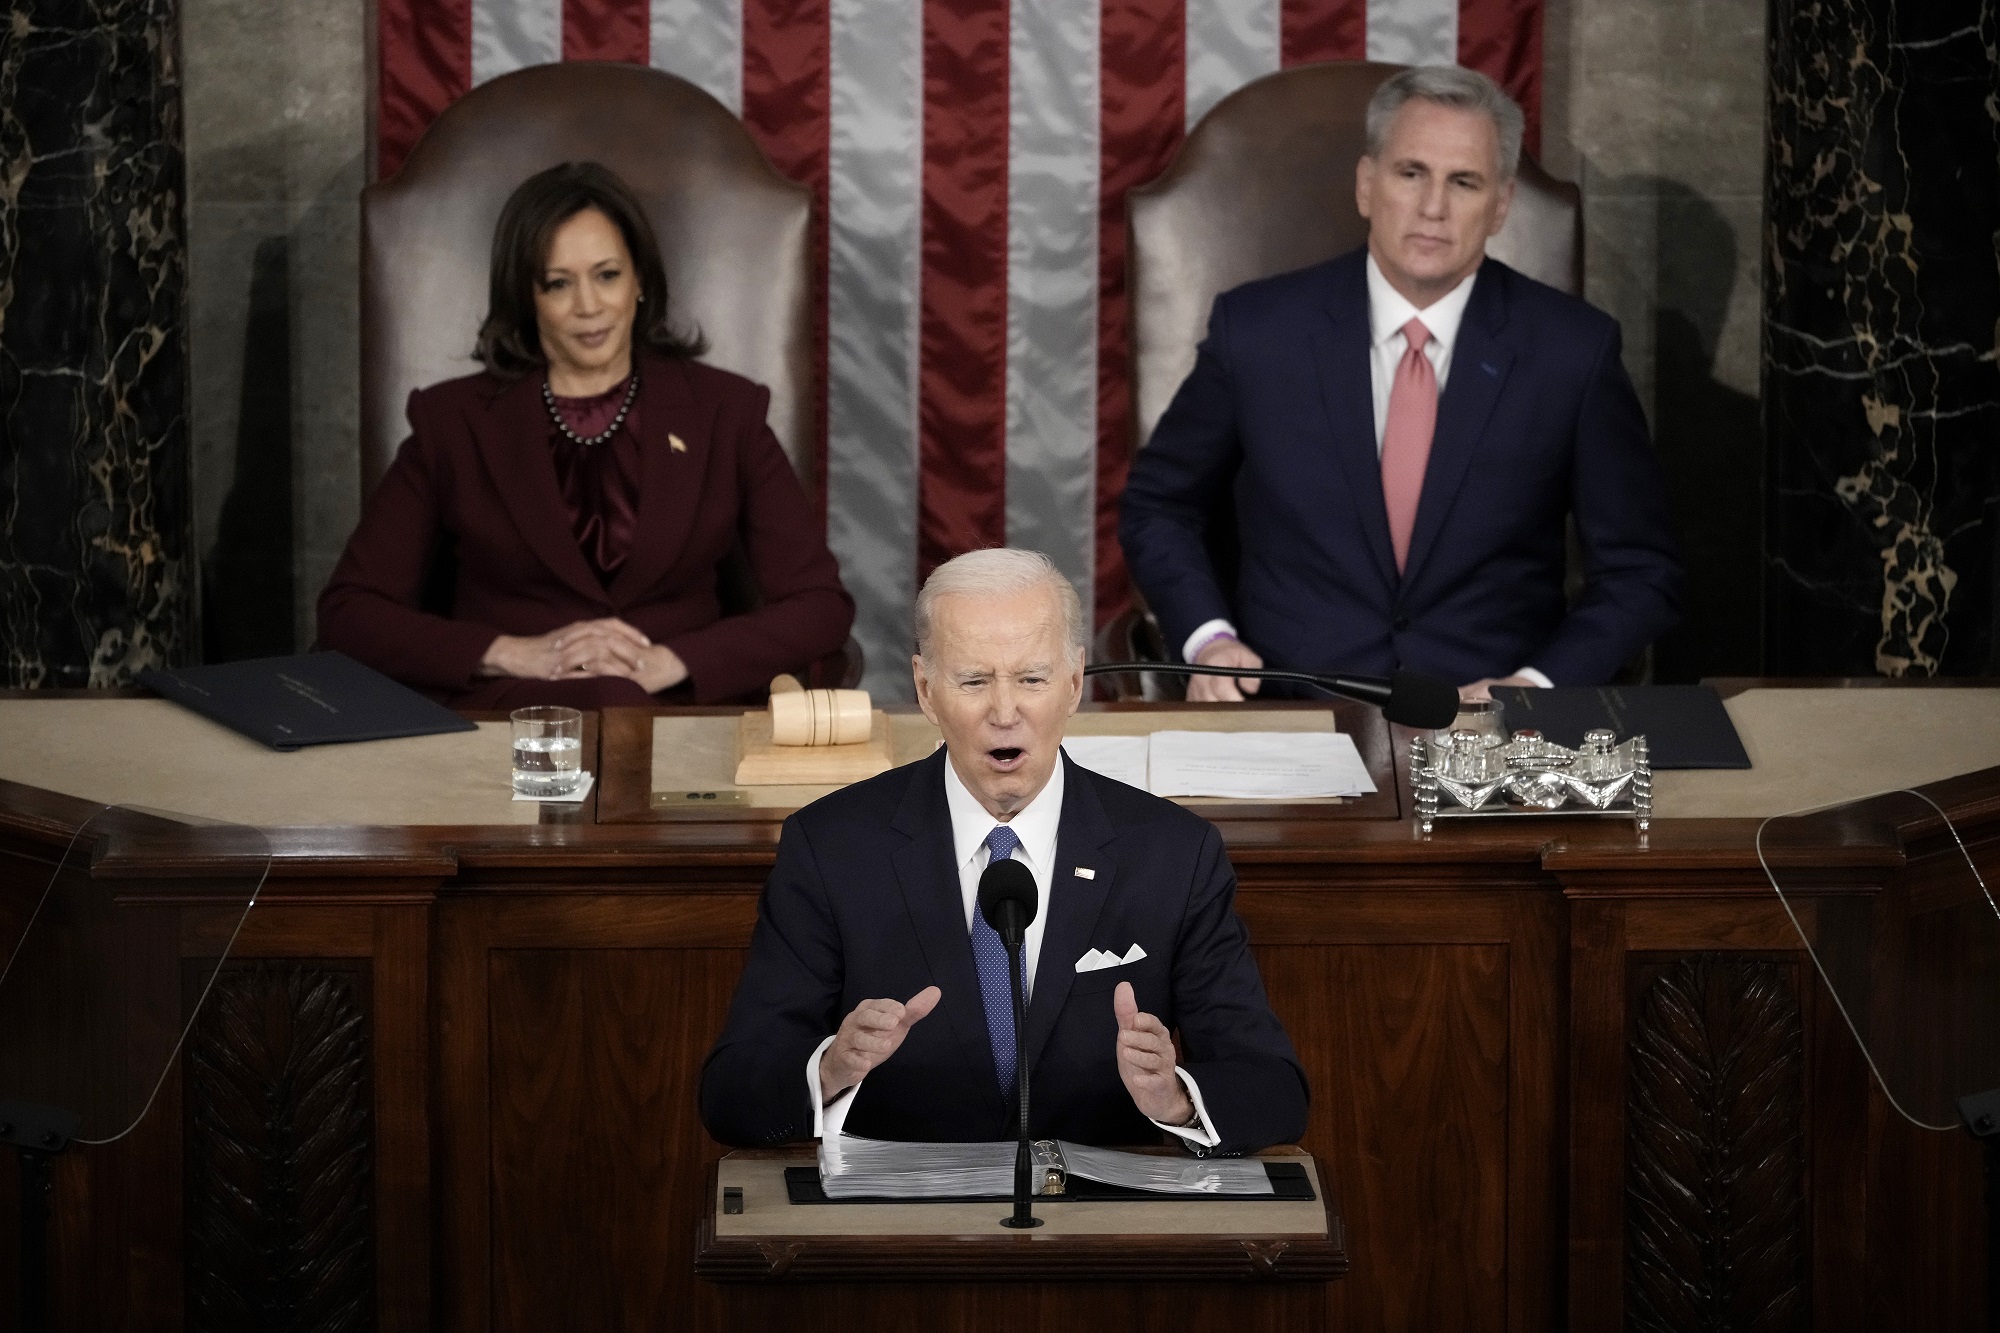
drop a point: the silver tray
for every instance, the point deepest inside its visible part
(1527, 776)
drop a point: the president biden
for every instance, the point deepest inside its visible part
(876, 999)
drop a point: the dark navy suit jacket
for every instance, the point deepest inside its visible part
(1537, 421)
(864, 903)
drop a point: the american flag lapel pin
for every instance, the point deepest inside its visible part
(1085, 872)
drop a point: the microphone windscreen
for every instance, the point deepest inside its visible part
(1004, 882)
(1420, 701)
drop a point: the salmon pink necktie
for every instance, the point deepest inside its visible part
(1406, 437)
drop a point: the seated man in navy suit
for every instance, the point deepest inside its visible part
(1403, 431)
(876, 999)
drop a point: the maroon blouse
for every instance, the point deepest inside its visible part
(599, 482)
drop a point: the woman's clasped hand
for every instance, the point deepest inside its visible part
(606, 647)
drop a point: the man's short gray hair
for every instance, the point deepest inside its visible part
(998, 572)
(1453, 86)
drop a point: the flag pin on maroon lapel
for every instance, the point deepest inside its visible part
(677, 444)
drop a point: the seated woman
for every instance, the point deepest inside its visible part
(589, 483)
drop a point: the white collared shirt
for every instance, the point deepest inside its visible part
(1388, 311)
(1037, 825)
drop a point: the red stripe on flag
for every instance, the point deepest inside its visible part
(1502, 39)
(606, 30)
(787, 107)
(1310, 30)
(1143, 86)
(962, 298)
(424, 50)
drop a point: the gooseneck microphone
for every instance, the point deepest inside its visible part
(1007, 900)
(1405, 697)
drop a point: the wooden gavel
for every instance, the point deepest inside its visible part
(800, 716)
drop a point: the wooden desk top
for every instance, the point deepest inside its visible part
(772, 1238)
(441, 811)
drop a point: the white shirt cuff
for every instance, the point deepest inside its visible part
(1203, 634)
(1536, 677)
(1199, 1130)
(827, 1119)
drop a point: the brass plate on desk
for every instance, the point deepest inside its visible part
(694, 800)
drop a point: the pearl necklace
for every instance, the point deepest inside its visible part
(631, 392)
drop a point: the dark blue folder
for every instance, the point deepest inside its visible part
(310, 699)
(1685, 726)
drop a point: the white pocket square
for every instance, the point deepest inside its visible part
(1095, 960)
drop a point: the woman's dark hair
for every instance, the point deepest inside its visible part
(510, 343)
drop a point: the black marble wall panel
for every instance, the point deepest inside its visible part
(95, 559)
(1882, 291)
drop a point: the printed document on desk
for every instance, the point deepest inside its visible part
(1256, 765)
(1120, 758)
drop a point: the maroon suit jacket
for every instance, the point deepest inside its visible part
(477, 468)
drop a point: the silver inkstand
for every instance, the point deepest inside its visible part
(1475, 769)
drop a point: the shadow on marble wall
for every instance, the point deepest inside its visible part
(275, 399)
(247, 574)
(1710, 442)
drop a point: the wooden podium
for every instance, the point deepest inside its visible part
(1147, 1264)
(491, 1018)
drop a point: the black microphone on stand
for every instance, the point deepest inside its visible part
(1405, 697)
(1007, 900)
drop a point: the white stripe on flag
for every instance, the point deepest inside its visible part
(1413, 32)
(874, 253)
(702, 41)
(513, 34)
(1229, 43)
(1052, 196)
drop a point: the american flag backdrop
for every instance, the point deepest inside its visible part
(971, 159)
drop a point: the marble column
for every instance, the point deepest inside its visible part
(96, 575)
(1882, 291)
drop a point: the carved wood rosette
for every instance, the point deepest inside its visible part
(1716, 1225)
(279, 1204)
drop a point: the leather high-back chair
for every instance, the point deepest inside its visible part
(735, 235)
(1265, 184)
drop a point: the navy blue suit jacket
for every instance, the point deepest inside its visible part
(864, 903)
(1537, 421)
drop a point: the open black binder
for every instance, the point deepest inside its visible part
(1289, 1184)
(309, 699)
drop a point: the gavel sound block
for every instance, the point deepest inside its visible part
(812, 738)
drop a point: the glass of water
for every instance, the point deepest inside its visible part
(548, 751)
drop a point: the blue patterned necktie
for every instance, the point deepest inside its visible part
(991, 957)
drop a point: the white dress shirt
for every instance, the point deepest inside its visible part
(1036, 825)
(1388, 312)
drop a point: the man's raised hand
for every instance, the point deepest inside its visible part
(868, 1036)
(1146, 1062)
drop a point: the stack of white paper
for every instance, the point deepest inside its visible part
(1121, 758)
(852, 1167)
(1252, 765)
(1271, 765)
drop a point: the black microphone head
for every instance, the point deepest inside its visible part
(1420, 701)
(1007, 889)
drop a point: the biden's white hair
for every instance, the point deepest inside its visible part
(1452, 86)
(1000, 571)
